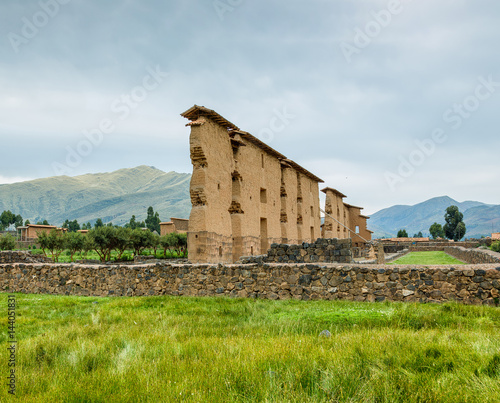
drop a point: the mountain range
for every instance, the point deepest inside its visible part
(480, 218)
(113, 197)
(116, 196)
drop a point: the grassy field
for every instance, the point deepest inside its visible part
(429, 258)
(168, 349)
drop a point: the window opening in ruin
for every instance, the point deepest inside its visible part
(251, 250)
(263, 236)
(218, 186)
(262, 159)
(357, 229)
(312, 234)
(220, 250)
(312, 211)
(263, 195)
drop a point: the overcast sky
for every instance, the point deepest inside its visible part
(390, 102)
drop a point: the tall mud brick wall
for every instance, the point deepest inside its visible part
(244, 194)
(341, 217)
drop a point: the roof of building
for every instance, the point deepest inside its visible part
(351, 206)
(166, 223)
(364, 216)
(39, 226)
(334, 191)
(196, 111)
(180, 219)
(406, 239)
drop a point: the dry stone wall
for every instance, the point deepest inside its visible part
(322, 251)
(473, 256)
(21, 257)
(466, 284)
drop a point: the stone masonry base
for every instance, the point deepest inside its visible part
(466, 284)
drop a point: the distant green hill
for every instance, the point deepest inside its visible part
(114, 196)
(480, 219)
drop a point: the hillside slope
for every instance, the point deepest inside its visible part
(113, 196)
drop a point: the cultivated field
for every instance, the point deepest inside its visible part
(87, 349)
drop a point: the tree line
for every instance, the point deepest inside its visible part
(152, 222)
(104, 240)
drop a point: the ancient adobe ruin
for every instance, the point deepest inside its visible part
(246, 196)
(344, 220)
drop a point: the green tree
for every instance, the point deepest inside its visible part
(166, 242)
(402, 233)
(72, 226)
(133, 223)
(418, 235)
(27, 222)
(122, 240)
(88, 245)
(98, 223)
(6, 219)
(7, 242)
(436, 231)
(455, 227)
(153, 220)
(73, 241)
(18, 221)
(174, 241)
(460, 231)
(140, 240)
(104, 241)
(54, 242)
(154, 242)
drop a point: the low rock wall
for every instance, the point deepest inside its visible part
(22, 257)
(467, 284)
(321, 251)
(473, 256)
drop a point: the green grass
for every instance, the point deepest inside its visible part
(168, 349)
(427, 258)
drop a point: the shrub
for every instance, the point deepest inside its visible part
(495, 246)
(7, 242)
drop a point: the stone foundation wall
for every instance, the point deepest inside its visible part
(321, 251)
(467, 284)
(417, 248)
(22, 257)
(473, 256)
(431, 246)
